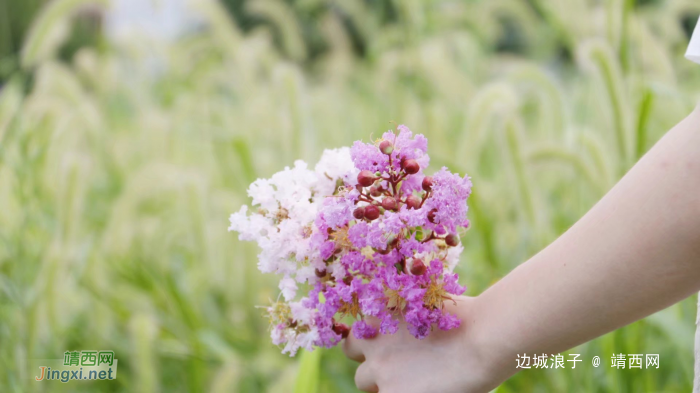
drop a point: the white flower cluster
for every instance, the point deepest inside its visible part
(287, 205)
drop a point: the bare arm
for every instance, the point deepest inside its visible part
(635, 252)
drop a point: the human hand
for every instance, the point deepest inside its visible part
(446, 361)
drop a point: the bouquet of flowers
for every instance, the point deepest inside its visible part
(366, 233)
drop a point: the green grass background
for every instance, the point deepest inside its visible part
(120, 164)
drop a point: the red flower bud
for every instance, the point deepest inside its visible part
(372, 212)
(375, 191)
(341, 329)
(410, 166)
(365, 178)
(431, 215)
(359, 213)
(389, 203)
(413, 202)
(452, 240)
(392, 242)
(418, 267)
(386, 147)
(427, 183)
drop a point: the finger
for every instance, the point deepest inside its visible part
(355, 348)
(364, 378)
(352, 347)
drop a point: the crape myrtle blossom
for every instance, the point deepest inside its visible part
(364, 234)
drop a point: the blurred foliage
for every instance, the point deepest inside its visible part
(250, 14)
(120, 163)
(15, 17)
(82, 29)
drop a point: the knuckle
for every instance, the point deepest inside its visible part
(360, 375)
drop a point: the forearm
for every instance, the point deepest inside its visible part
(634, 253)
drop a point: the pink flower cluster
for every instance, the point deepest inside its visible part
(367, 234)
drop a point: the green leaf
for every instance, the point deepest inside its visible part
(643, 121)
(309, 371)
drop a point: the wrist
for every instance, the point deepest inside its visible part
(494, 347)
